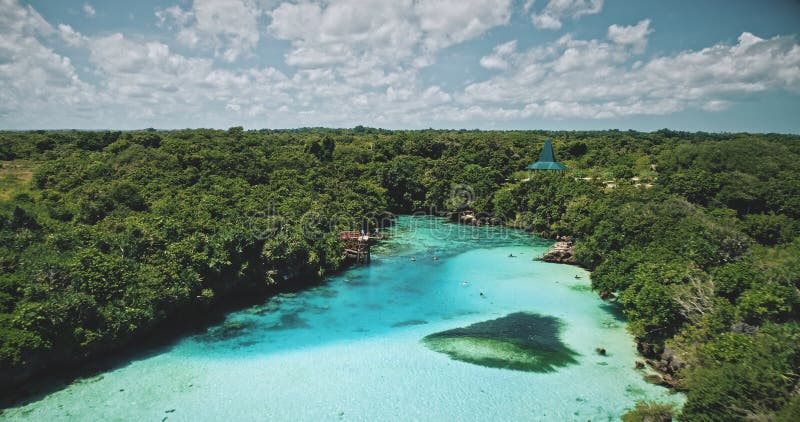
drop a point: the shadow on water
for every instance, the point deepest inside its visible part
(615, 310)
(162, 339)
(520, 341)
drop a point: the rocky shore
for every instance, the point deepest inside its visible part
(663, 365)
(561, 253)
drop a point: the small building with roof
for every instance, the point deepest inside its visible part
(547, 160)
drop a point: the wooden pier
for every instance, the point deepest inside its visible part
(358, 245)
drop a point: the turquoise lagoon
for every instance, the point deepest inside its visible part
(353, 349)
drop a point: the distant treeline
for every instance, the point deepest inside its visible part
(118, 232)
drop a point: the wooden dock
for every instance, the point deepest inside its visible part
(358, 246)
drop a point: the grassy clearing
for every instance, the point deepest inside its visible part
(15, 177)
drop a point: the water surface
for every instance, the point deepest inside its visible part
(353, 349)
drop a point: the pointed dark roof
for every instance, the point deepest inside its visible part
(547, 159)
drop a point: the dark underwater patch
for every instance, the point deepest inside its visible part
(226, 331)
(328, 293)
(580, 287)
(263, 309)
(409, 322)
(520, 341)
(289, 321)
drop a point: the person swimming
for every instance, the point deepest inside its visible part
(413, 259)
(511, 255)
(435, 258)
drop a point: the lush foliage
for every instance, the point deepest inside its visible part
(696, 233)
(649, 412)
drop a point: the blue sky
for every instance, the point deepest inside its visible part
(729, 65)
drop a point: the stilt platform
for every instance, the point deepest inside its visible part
(358, 246)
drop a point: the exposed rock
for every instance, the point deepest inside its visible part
(671, 362)
(664, 380)
(476, 219)
(654, 379)
(646, 349)
(666, 367)
(744, 328)
(560, 253)
(607, 295)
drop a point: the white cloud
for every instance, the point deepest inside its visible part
(346, 32)
(70, 36)
(17, 20)
(550, 16)
(174, 14)
(151, 71)
(358, 62)
(634, 35)
(448, 22)
(500, 55)
(546, 21)
(35, 81)
(229, 26)
(380, 32)
(528, 5)
(365, 55)
(593, 78)
(88, 10)
(146, 82)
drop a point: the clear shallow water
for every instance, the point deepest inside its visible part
(351, 349)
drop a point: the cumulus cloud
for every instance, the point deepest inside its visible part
(500, 55)
(346, 32)
(230, 27)
(555, 11)
(634, 35)
(148, 78)
(88, 10)
(70, 36)
(595, 79)
(448, 22)
(34, 80)
(370, 51)
(359, 62)
(381, 32)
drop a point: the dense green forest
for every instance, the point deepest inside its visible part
(108, 235)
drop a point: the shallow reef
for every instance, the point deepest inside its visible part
(410, 322)
(226, 331)
(519, 341)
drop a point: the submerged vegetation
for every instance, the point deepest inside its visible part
(106, 235)
(520, 341)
